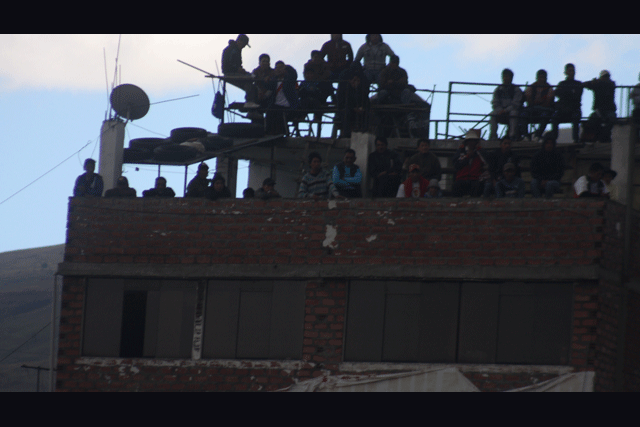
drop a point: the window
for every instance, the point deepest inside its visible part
(254, 320)
(139, 318)
(459, 322)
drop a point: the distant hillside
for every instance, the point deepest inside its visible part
(26, 283)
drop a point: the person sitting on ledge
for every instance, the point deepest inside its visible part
(316, 184)
(218, 189)
(122, 189)
(608, 176)
(385, 169)
(416, 186)
(591, 185)
(510, 185)
(469, 162)
(248, 193)
(434, 191)
(198, 186)
(547, 168)
(89, 184)
(267, 191)
(347, 177)
(430, 167)
(160, 190)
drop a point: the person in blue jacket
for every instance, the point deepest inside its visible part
(347, 177)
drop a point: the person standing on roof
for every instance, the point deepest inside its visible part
(604, 105)
(569, 104)
(339, 55)
(232, 67)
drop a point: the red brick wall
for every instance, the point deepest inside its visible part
(526, 233)
(182, 231)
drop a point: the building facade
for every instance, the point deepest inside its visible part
(250, 295)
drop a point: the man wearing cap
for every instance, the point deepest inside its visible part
(267, 191)
(591, 185)
(198, 186)
(434, 191)
(89, 184)
(415, 186)
(469, 162)
(604, 107)
(510, 185)
(232, 67)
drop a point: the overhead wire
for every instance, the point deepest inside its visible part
(29, 339)
(47, 172)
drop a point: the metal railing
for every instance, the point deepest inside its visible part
(624, 105)
(477, 118)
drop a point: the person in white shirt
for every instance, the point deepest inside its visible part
(591, 185)
(416, 186)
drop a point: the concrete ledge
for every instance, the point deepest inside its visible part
(385, 271)
(362, 367)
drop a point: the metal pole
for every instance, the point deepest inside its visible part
(54, 309)
(185, 181)
(448, 110)
(37, 368)
(631, 160)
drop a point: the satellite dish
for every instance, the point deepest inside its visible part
(130, 102)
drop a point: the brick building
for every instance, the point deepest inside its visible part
(249, 295)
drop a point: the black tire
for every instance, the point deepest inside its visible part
(174, 153)
(241, 130)
(216, 142)
(184, 134)
(148, 143)
(135, 155)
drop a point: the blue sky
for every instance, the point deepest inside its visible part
(53, 97)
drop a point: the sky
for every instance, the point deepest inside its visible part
(54, 96)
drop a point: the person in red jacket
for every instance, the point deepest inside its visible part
(415, 186)
(469, 163)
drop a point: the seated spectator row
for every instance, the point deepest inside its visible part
(477, 173)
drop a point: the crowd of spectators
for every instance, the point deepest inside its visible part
(375, 62)
(277, 90)
(477, 173)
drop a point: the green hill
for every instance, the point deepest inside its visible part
(26, 284)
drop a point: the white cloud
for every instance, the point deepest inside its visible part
(76, 62)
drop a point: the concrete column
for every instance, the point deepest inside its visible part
(363, 144)
(228, 168)
(621, 151)
(111, 152)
